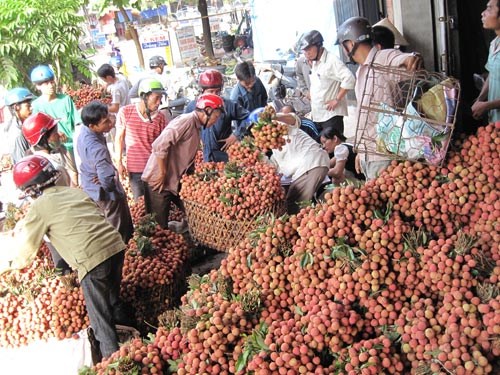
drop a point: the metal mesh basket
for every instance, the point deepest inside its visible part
(407, 115)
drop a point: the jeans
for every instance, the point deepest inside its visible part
(136, 184)
(101, 290)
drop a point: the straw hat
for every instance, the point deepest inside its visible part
(399, 39)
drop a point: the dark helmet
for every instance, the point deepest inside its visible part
(156, 61)
(33, 172)
(211, 79)
(311, 38)
(18, 95)
(36, 125)
(149, 85)
(41, 73)
(356, 29)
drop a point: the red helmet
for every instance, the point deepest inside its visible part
(36, 125)
(33, 171)
(211, 79)
(210, 101)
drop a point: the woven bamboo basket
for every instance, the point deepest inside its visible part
(210, 229)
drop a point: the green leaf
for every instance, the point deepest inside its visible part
(261, 344)
(242, 361)
(173, 366)
(306, 259)
(299, 311)
(249, 260)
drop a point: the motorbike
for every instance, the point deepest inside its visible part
(175, 107)
(279, 79)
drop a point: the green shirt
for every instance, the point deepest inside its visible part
(75, 226)
(62, 108)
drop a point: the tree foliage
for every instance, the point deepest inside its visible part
(36, 32)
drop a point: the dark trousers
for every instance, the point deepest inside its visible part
(136, 184)
(59, 263)
(158, 203)
(101, 290)
(336, 122)
(117, 213)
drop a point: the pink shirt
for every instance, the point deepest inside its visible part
(372, 88)
(139, 135)
(177, 145)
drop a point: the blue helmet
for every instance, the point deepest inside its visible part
(18, 95)
(41, 73)
(254, 115)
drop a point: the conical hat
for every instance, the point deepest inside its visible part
(399, 39)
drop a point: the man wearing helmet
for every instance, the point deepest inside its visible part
(173, 154)
(137, 126)
(157, 65)
(219, 137)
(41, 132)
(57, 105)
(355, 37)
(330, 82)
(84, 238)
(19, 102)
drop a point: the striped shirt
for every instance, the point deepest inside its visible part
(139, 135)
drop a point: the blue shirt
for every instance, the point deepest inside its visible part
(222, 129)
(493, 67)
(310, 128)
(250, 100)
(96, 162)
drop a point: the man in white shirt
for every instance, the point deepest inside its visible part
(157, 65)
(302, 162)
(330, 82)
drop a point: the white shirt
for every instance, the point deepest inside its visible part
(328, 75)
(299, 155)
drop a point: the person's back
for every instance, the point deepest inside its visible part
(120, 90)
(70, 217)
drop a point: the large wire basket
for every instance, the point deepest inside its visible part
(407, 115)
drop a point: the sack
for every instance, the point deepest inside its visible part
(409, 135)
